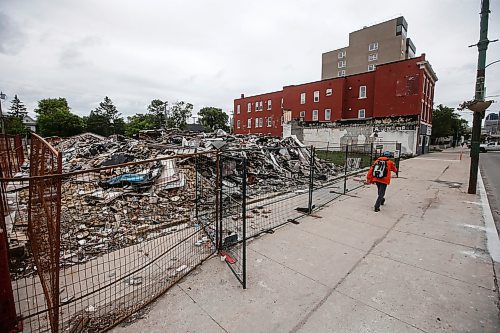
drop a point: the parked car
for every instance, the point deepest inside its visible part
(490, 146)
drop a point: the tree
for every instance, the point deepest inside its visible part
(139, 122)
(178, 113)
(213, 119)
(55, 118)
(105, 119)
(98, 123)
(446, 123)
(157, 110)
(17, 108)
(14, 125)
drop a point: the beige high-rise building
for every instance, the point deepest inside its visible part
(380, 43)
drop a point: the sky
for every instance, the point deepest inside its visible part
(208, 52)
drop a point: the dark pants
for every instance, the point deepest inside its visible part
(381, 192)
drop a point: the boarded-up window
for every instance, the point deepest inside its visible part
(407, 86)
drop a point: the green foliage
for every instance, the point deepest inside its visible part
(55, 118)
(156, 109)
(446, 123)
(17, 108)
(213, 119)
(105, 119)
(139, 122)
(14, 125)
(50, 104)
(178, 113)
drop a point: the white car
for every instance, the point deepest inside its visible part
(491, 146)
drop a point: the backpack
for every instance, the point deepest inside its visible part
(380, 169)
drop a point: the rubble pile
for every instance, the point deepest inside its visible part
(124, 203)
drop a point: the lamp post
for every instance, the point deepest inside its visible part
(2, 97)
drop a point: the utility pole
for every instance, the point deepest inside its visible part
(482, 46)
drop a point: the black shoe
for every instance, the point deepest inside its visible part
(377, 209)
(383, 201)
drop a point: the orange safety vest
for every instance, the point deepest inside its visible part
(387, 179)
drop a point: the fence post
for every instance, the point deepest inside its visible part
(345, 168)
(244, 218)
(8, 317)
(196, 192)
(371, 153)
(218, 203)
(398, 147)
(311, 181)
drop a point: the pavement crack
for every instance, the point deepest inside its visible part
(431, 271)
(431, 201)
(441, 240)
(293, 270)
(304, 320)
(378, 310)
(202, 309)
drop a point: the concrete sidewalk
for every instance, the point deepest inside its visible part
(419, 265)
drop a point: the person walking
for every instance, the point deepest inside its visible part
(380, 174)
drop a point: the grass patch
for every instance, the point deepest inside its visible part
(338, 157)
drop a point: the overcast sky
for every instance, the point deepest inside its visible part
(209, 52)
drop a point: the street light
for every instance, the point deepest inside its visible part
(2, 97)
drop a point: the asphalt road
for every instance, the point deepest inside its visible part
(490, 169)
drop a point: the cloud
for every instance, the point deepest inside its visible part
(75, 53)
(12, 37)
(208, 52)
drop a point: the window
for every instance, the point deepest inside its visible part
(341, 64)
(316, 96)
(269, 121)
(373, 57)
(302, 114)
(362, 92)
(249, 123)
(238, 124)
(249, 107)
(401, 30)
(373, 46)
(328, 114)
(238, 109)
(361, 113)
(256, 122)
(315, 115)
(256, 106)
(341, 54)
(341, 73)
(303, 98)
(260, 106)
(329, 92)
(261, 123)
(269, 104)
(371, 67)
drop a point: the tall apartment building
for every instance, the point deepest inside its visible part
(371, 46)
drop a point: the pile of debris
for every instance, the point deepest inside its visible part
(126, 191)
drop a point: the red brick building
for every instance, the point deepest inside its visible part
(402, 88)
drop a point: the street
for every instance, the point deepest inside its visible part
(489, 164)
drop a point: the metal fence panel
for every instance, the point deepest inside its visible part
(44, 212)
(127, 234)
(233, 214)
